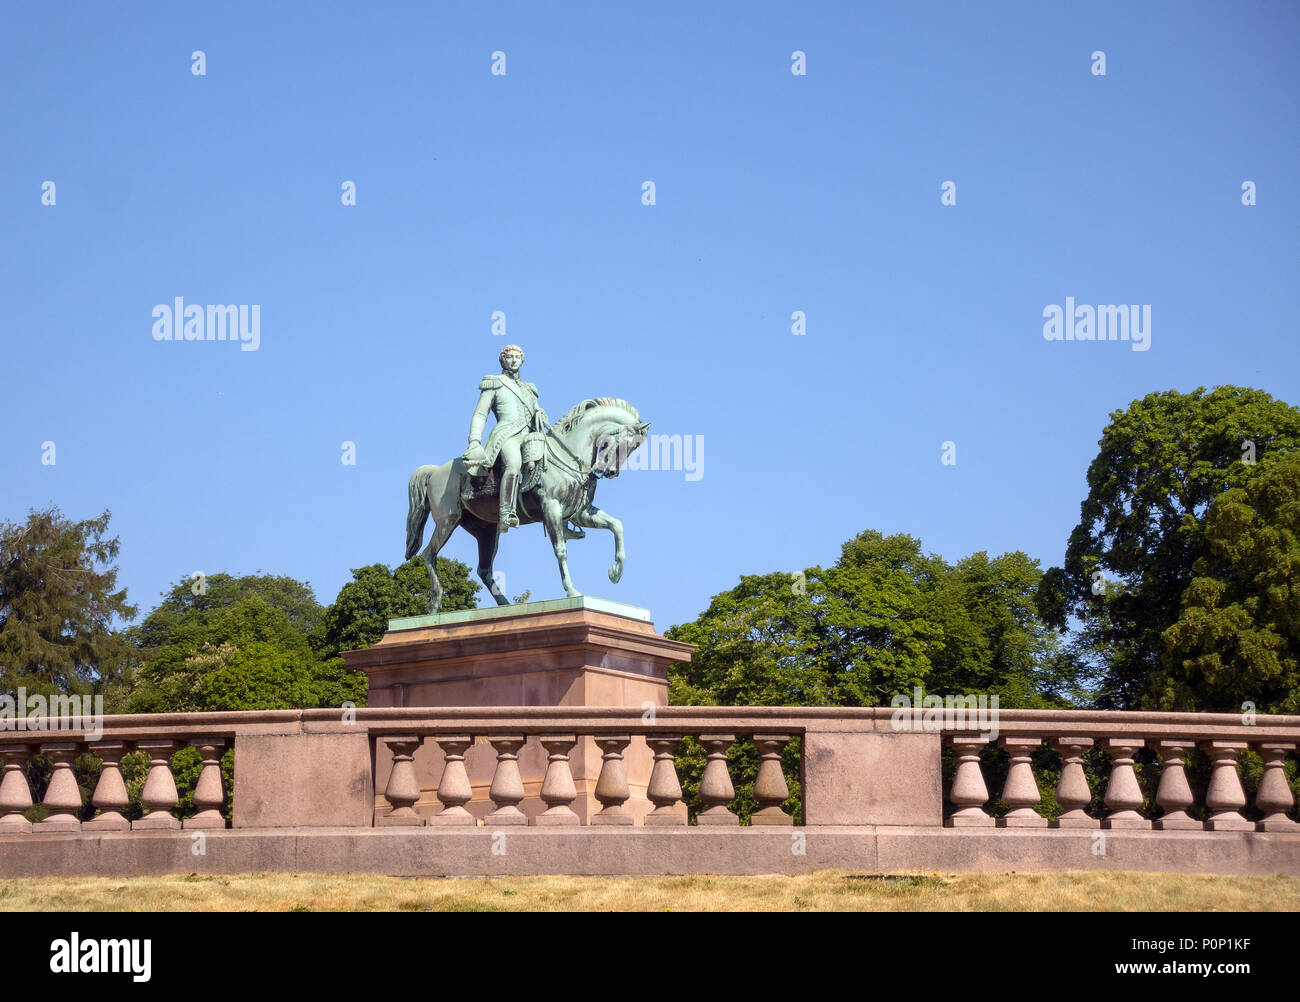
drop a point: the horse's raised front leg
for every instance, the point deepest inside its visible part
(593, 518)
(553, 518)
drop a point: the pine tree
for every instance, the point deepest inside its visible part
(58, 603)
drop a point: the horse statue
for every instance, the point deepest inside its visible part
(591, 441)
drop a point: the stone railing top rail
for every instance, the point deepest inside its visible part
(1096, 724)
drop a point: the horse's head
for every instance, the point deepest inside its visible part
(606, 430)
(613, 448)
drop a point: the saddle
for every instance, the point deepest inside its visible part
(532, 452)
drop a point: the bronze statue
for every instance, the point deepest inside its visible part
(514, 404)
(526, 471)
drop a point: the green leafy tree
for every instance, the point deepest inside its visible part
(849, 635)
(886, 618)
(1141, 530)
(991, 638)
(192, 602)
(58, 604)
(1237, 639)
(263, 677)
(264, 642)
(376, 594)
(242, 645)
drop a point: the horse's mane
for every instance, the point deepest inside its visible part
(577, 411)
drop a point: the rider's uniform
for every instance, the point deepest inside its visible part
(514, 402)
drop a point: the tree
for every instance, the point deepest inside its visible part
(1237, 640)
(991, 637)
(884, 619)
(58, 602)
(239, 644)
(262, 676)
(376, 594)
(1142, 526)
(193, 601)
(264, 642)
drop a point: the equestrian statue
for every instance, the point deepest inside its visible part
(526, 471)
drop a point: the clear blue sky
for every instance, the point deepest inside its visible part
(522, 193)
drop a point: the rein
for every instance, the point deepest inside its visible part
(583, 470)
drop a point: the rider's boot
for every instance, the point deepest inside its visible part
(507, 518)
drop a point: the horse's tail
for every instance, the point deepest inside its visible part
(418, 514)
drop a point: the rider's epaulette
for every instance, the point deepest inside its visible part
(490, 383)
(533, 387)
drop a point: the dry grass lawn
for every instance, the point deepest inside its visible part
(825, 891)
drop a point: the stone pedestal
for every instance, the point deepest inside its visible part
(564, 652)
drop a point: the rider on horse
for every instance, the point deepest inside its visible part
(514, 402)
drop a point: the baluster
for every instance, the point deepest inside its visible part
(968, 793)
(611, 784)
(62, 796)
(110, 791)
(15, 793)
(159, 794)
(664, 790)
(715, 785)
(1274, 797)
(1123, 795)
(1225, 798)
(507, 787)
(770, 789)
(209, 794)
(558, 791)
(1020, 791)
(454, 791)
(1072, 791)
(1174, 794)
(403, 789)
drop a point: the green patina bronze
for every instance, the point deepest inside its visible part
(527, 471)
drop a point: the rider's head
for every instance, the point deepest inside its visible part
(510, 349)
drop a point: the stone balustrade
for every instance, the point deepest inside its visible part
(1121, 736)
(159, 796)
(558, 792)
(348, 789)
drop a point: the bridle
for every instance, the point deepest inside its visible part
(582, 469)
